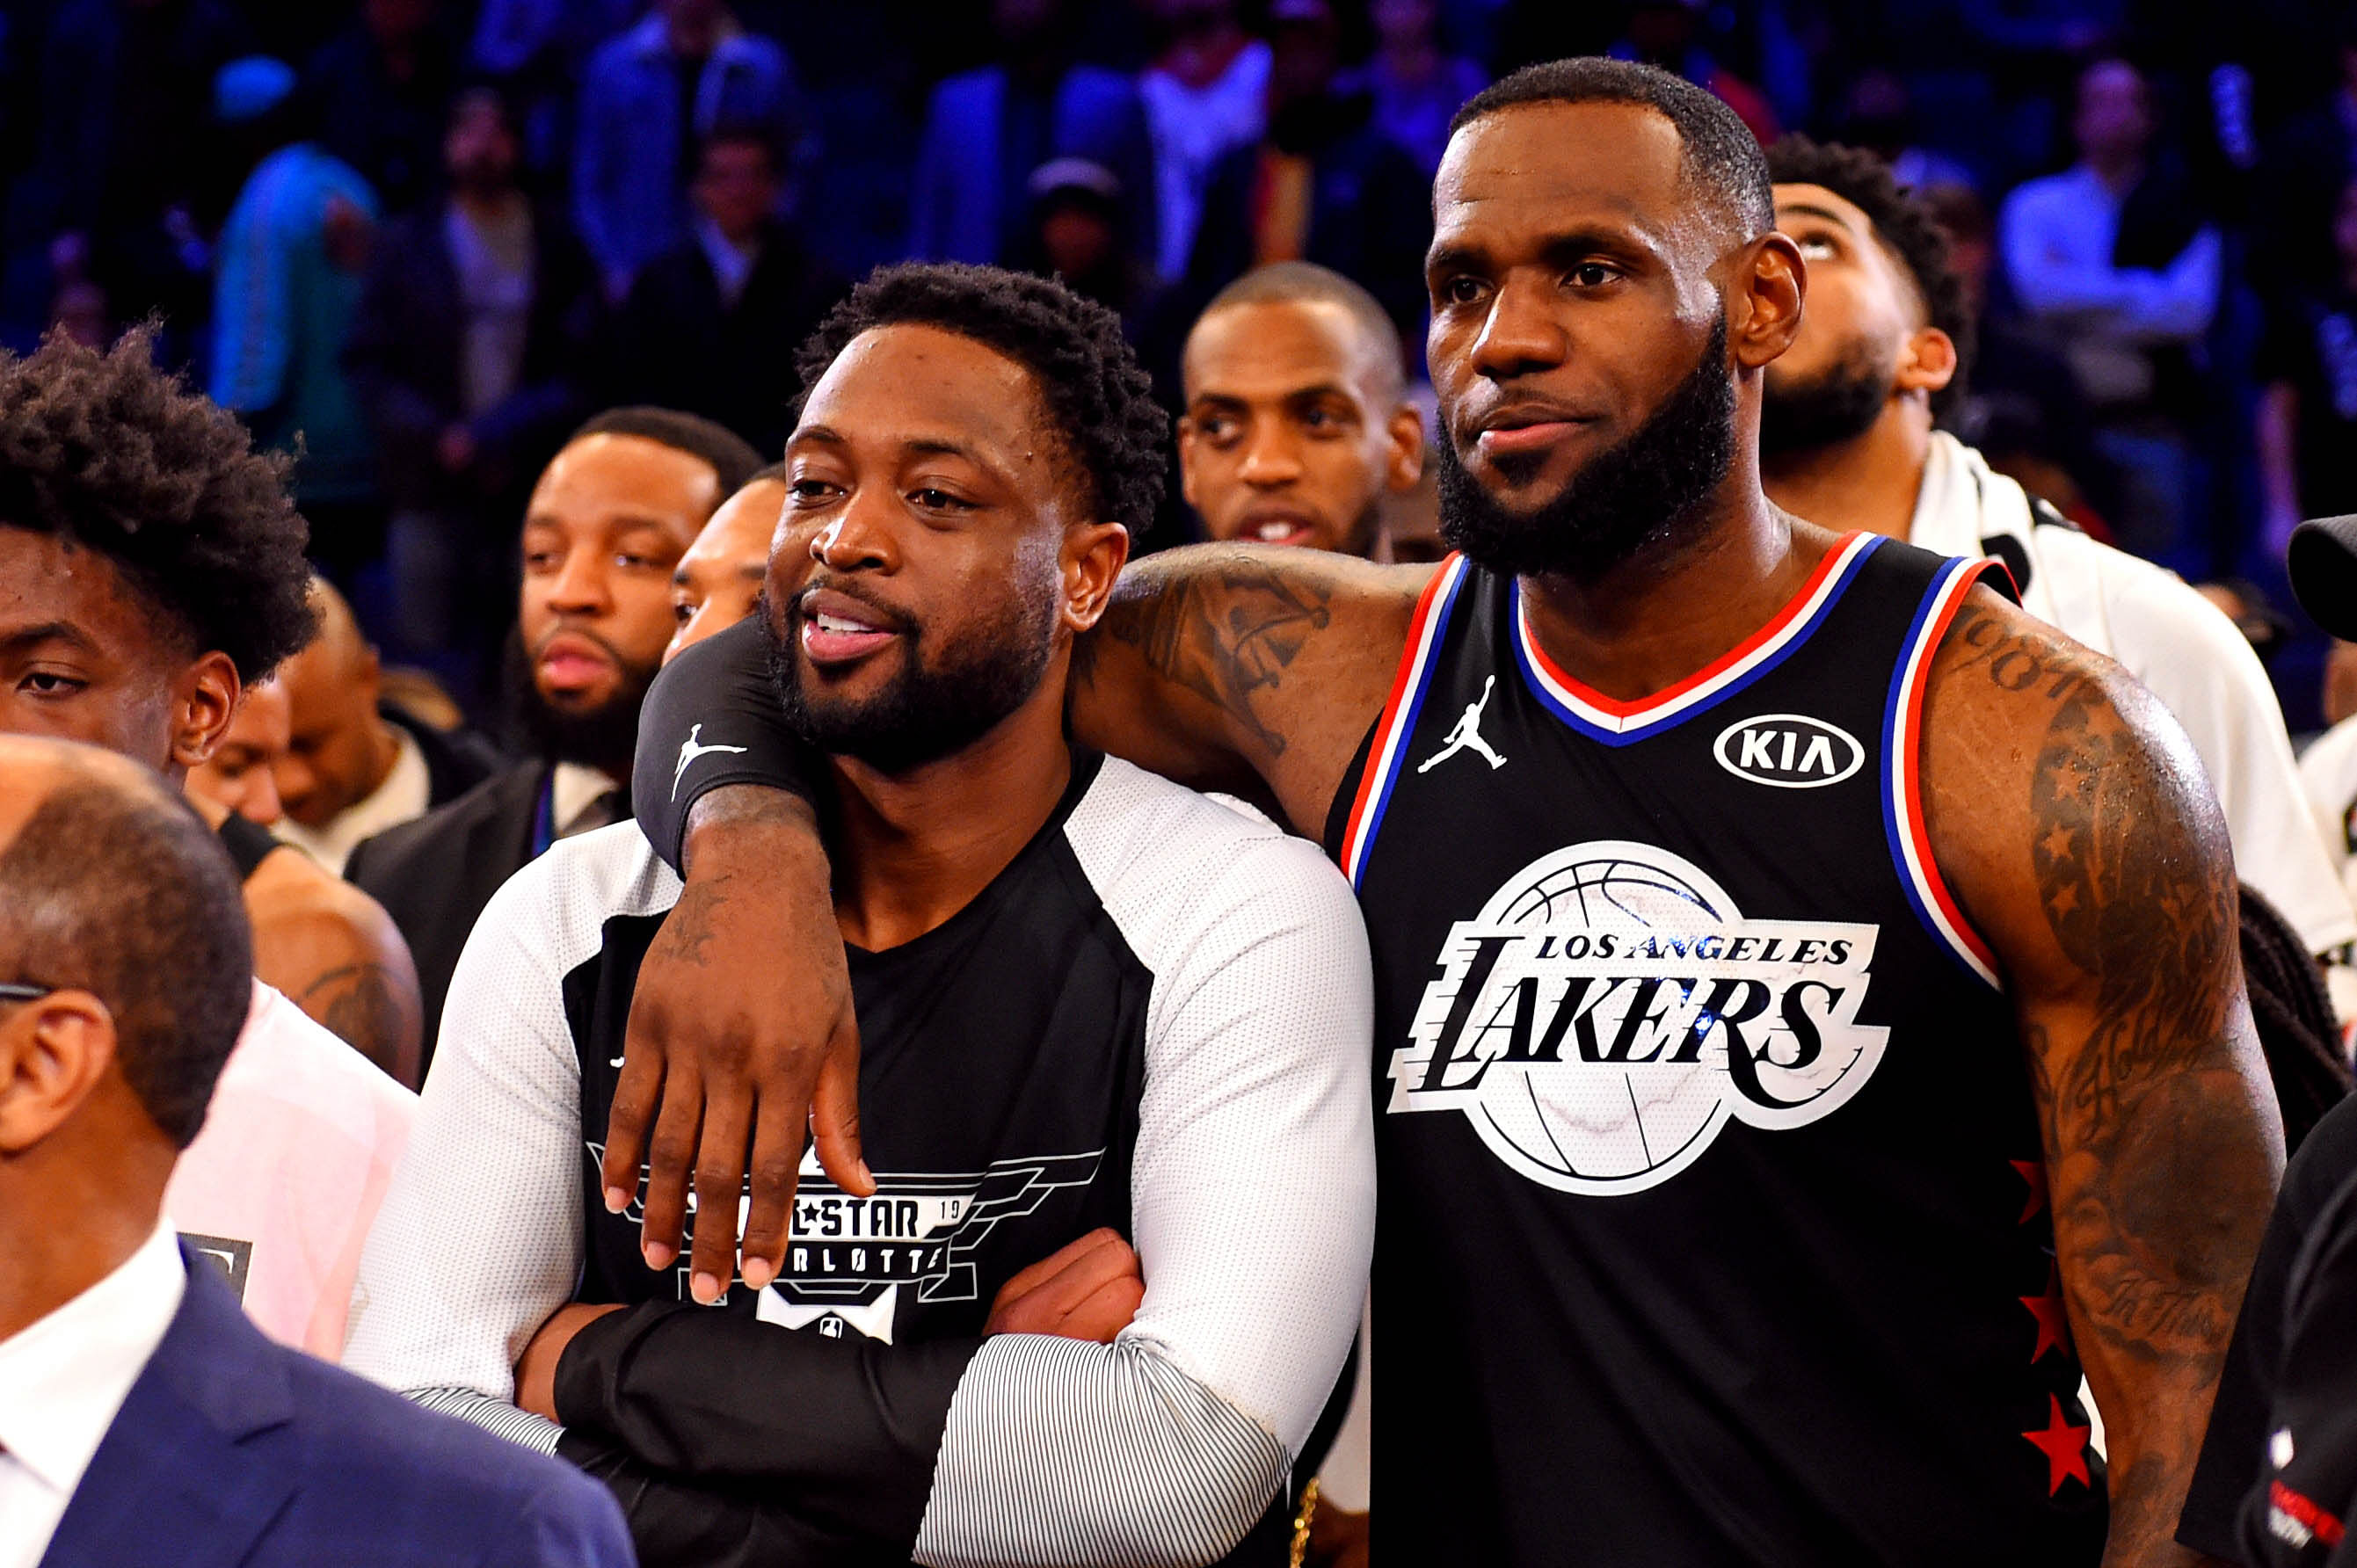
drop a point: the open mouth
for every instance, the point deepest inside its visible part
(837, 629)
(1280, 528)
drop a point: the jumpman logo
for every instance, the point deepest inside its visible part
(1467, 735)
(689, 751)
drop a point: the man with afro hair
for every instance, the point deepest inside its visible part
(151, 569)
(1059, 1316)
(1847, 440)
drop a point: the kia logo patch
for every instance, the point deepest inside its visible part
(1789, 751)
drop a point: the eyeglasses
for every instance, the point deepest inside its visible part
(14, 991)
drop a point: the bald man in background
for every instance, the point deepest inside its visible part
(1297, 421)
(355, 763)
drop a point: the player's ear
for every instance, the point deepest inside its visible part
(1403, 462)
(1094, 553)
(203, 704)
(1927, 360)
(1763, 300)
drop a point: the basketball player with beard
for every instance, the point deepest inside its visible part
(1809, 1026)
(1085, 988)
(1846, 440)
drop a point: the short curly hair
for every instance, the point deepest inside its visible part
(1902, 221)
(125, 459)
(1099, 396)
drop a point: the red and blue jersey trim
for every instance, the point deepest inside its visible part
(1614, 722)
(1903, 737)
(1399, 716)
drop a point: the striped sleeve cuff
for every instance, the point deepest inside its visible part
(518, 1426)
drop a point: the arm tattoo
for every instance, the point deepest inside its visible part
(361, 1004)
(2163, 1168)
(688, 929)
(1225, 633)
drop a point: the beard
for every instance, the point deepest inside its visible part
(979, 675)
(1838, 403)
(603, 737)
(1631, 494)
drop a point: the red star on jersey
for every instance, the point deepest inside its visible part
(2053, 1327)
(2034, 1173)
(2065, 1447)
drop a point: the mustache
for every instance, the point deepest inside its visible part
(894, 617)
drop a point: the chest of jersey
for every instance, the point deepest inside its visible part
(1001, 1067)
(1705, 1135)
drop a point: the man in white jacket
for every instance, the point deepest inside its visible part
(1846, 440)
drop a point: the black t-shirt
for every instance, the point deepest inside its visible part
(2234, 1452)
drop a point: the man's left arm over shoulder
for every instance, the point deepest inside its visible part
(2073, 821)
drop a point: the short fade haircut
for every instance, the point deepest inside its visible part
(1905, 225)
(1306, 282)
(1722, 156)
(110, 452)
(728, 455)
(123, 892)
(1098, 396)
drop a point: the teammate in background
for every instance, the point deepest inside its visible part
(1731, 1230)
(355, 763)
(1085, 989)
(609, 518)
(150, 565)
(324, 943)
(1846, 440)
(143, 1421)
(1298, 423)
(717, 582)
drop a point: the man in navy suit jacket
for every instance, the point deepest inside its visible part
(143, 1419)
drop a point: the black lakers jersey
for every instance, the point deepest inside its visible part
(1713, 1225)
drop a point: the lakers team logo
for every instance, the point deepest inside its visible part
(1610, 1009)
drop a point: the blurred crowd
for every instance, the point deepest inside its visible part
(419, 240)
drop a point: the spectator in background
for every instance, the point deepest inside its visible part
(292, 259)
(2111, 257)
(1206, 93)
(1297, 425)
(711, 326)
(237, 776)
(355, 763)
(1879, 115)
(1416, 87)
(608, 520)
(2307, 433)
(717, 582)
(649, 100)
(987, 130)
(1080, 233)
(468, 350)
(1323, 185)
(379, 91)
(125, 96)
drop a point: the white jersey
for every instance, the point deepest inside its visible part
(1157, 1016)
(2185, 651)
